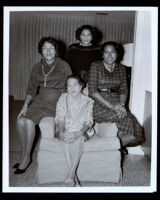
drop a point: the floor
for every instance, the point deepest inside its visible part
(136, 172)
(136, 168)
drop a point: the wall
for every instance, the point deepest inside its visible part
(26, 29)
(143, 73)
(142, 64)
(147, 124)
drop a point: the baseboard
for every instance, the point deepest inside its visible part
(135, 150)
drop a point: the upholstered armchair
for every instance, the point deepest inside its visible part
(100, 161)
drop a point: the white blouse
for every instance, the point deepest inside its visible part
(75, 113)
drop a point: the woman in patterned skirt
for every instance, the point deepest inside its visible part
(47, 81)
(108, 87)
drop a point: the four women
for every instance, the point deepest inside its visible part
(72, 110)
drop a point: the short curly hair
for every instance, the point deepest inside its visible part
(118, 47)
(47, 39)
(88, 27)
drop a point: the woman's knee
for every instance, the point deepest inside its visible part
(29, 122)
(21, 121)
(24, 121)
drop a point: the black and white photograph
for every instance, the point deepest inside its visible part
(80, 99)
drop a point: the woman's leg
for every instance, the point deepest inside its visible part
(20, 125)
(26, 130)
(67, 153)
(130, 131)
(76, 150)
(72, 153)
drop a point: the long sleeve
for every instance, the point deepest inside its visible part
(123, 86)
(92, 79)
(89, 113)
(68, 72)
(33, 82)
(67, 69)
(61, 108)
(69, 54)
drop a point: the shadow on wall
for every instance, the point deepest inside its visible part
(99, 36)
(148, 124)
(148, 139)
(61, 49)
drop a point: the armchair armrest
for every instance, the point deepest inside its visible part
(47, 127)
(106, 129)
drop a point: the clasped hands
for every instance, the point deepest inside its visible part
(120, 109)
(70, 137)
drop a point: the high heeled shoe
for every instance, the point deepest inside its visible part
(15, 166)
(124, 150)
(21, 171)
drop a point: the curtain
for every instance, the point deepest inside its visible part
(27, 28)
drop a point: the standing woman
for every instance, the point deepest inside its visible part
(80, 55)
(108, 87)
(48, 77)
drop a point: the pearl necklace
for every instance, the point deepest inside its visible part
(109, 69)
(73, 106)
(46, 75)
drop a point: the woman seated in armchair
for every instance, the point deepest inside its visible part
(74, 120)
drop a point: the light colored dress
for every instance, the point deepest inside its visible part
(74, 113)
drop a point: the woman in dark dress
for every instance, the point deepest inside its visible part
(80, 55)
(49, 76)
(107, 85)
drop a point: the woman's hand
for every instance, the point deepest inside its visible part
(72, 136)
(22, 112)
(121, 110)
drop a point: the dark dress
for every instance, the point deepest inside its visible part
(80, 58)
(44, 103)
(100, 78)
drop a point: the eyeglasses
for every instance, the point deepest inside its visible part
(48, 49)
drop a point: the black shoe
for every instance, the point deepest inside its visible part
(21, 171)
(16, 165)
(124, 150)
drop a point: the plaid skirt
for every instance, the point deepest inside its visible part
(126, 126)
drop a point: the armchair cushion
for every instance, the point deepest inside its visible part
(94, 144)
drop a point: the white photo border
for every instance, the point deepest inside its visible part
(119, 189)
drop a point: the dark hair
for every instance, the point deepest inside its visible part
(78, 78)
(47, 39)
(88, 27)
(118, 47)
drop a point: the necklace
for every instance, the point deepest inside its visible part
(73, 106)
(76, 104)
(111, 68)
(46, 75)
